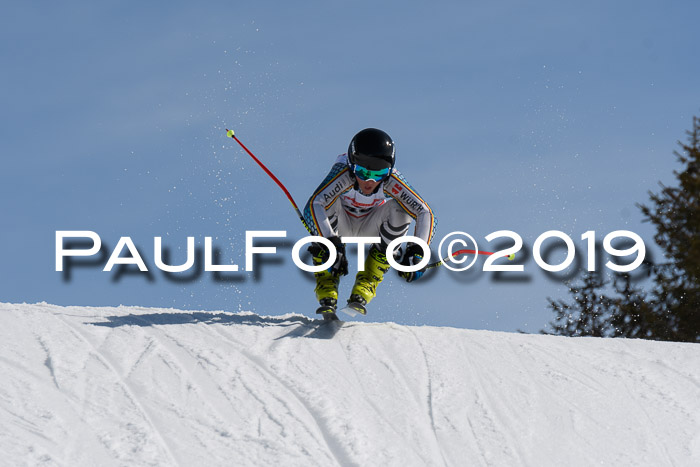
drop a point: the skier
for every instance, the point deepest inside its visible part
(364, 196)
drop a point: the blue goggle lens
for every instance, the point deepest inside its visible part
(366, 174)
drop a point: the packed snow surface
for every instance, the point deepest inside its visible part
(143, 386)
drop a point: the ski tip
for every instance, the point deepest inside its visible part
(349, 311)
(353, 309)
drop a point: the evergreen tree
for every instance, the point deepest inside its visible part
(671, 310)
(675, 212)
(635, 313)
(589, 315)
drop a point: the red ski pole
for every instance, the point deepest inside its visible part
(231, 134)
(464, 252)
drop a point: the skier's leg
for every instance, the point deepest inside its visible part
(388, 222)
(326, 282)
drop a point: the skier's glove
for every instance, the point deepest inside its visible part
(340, 267)
(413, 255)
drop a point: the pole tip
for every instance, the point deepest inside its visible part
(229, 133)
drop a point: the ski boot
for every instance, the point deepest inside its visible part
(366, 282)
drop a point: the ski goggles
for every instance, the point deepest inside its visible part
(366, 174)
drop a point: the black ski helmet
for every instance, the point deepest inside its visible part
(372, 149)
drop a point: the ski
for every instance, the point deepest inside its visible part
(329, 317)
(328, 313)
(354, 308)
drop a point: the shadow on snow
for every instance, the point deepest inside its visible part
(302, 325)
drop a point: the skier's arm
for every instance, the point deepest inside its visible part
(398, 188)
(336, 183)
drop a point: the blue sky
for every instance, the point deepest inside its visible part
(509, 115)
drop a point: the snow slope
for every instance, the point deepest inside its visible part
(138, 386)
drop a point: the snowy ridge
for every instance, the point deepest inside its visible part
(143, 386)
